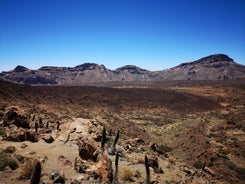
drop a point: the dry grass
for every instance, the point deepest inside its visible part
(27, 168)
(127, 174)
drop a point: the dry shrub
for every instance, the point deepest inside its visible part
(9, 161)
(27, 168)
(127, 174)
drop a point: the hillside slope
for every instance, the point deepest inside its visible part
(214, 67)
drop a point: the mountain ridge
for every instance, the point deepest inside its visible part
(212, 67)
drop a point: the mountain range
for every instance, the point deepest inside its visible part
(213, 67)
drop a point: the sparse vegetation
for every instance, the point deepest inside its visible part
(6, 160)
(103, 138)
(26, 169)
(115, 177)
(164, 148)
(112, 149)
(2, 131)
(145, 116)
(240, 173)
(147, 168)
(198, 165)
(127, 174)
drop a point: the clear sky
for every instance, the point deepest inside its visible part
(152, 34)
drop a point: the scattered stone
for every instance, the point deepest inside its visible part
(153, 146)
(137, 174)
(13, 117)
(16, 136)
(209, 171)
(44, 159)
(48, 139)
(64, 160)
(128, 147)
(153, 162)
(23, 146)
(10, 149)
(7, 169)
(86, 150)
(54, 174)
(32, 136)
(32, 153)
(188, 170)
(104, 168)
(73, 130)
(80, 165)
(59, 179)
(20, 158)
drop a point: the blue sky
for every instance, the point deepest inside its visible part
(152, 34)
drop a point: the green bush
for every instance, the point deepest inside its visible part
(240, 173)
(198, 165)
(223, 151)
(8, 161)
(230, 164)
(2, 131)
(164, 148)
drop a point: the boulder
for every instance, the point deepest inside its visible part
(16, 136)
(10, 149)
(86, 150)
(32, 136)
(209, 171)
(104, 168)
(48, 139)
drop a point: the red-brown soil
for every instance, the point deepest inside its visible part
(202, 122)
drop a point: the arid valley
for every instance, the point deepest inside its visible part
(191, 132)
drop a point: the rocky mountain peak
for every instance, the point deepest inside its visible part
(215, 58)
(131, 69)
(88, 66)
(212, 59)
(19, 69)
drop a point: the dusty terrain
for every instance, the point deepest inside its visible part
(192, 131)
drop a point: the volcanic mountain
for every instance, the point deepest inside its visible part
(213, 67)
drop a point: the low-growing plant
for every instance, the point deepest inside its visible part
(127, 174)
(164, 148)
(240, 173)
(2, 131)
(223, 151)
(198, 165)
(8, 161)
(230, 164)
(26, 169)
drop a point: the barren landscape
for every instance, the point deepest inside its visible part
(122, 92)
(191, 132)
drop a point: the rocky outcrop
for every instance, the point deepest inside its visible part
(12, 117)
(213, 67)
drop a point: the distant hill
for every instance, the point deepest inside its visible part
(213, 67)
